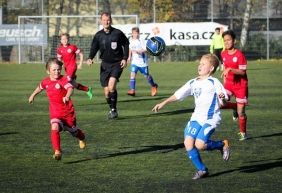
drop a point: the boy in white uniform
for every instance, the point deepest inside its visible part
(139, 62)
(209, 94)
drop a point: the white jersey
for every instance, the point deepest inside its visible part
(207, 102)
(139, 60)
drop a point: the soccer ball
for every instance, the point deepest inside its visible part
(155, 46)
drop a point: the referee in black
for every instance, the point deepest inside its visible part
(114, 47)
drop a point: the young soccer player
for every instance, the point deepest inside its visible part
(235, 81)
(67, 52)
(208, 94)
(62, 114)
(139, 62)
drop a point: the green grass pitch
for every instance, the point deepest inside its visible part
(141, 151)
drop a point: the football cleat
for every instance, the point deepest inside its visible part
(242, 136)
(131, 92)
(89, 93)
(57, 155)
(225, 150)
(82, 144)
(154, 90)
(200, 174)
(112, 114)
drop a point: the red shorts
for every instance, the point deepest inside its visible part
(240, 92)
(65, 122)
(70, 72)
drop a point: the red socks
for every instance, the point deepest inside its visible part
(81, 87)
(80, 135)
(242, 124)
(230, 105)
(56, 140)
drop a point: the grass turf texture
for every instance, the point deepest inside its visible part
(141, 151)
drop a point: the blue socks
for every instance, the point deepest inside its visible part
(132, 84)
(151, 81)
(212, 145)
(194, 155)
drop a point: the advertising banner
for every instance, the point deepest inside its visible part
(26, 34)
(186, 34)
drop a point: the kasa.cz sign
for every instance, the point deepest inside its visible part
(185, 34)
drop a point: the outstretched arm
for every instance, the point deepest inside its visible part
(159, 106)
(35, 92)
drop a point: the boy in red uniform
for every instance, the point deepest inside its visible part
(62, 114)
(235, 80)
(67, 52)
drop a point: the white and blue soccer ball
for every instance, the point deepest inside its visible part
(155, 46)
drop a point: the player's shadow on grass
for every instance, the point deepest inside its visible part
(176, 112)
(135, 99)
(265, 136)
(144, 149)
(252, 168)
(9, 133)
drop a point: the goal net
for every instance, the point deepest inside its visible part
(39, 35)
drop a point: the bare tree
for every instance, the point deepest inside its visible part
(69, 11)
(78, 20)
(107, 6)
(59, 7)
(59, 12)
(246, 22)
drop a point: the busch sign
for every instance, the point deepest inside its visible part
(26, 34)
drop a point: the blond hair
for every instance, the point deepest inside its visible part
(65, 34)
(213, 60)
(51, 61)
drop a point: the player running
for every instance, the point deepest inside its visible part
(209, 95)
(235, 81)
(62, 114)
(67, 52)
(139, 62)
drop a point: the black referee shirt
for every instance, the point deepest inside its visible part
(113, 46)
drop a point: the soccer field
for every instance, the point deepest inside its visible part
(141, 151)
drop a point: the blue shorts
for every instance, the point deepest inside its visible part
(143, 70)
(197, 131)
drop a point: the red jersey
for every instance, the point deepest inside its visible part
(68, 54)
(235, 61)
(56, 90)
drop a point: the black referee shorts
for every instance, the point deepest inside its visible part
(108, 70)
